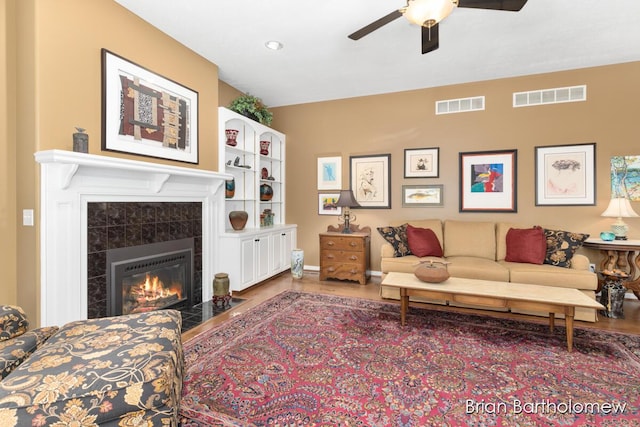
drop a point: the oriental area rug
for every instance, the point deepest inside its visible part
(303, 359)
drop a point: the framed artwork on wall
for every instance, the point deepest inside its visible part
(330, 173)
(371, 180)
(625, 176)
(327, 204)
(422, 196)
(421, 162)
(146, 114)
(565, 175)
(488, 181)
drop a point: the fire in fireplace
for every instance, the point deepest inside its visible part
(150, 277)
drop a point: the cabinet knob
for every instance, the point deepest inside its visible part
(256, 240)
(353, 271)
(353, 257)
(331, 269)
(353, 244)
(330, 243)
(331, 256)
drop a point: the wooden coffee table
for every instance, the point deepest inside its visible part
(489, 293)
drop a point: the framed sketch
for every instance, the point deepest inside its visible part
(371, 180)
(421, 162)
(565, 175)
(328, 204)
(421, 196)
(146, 114)
(488, 181)
(330, 173)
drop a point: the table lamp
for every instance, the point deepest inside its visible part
(346, 201)
(619, 207)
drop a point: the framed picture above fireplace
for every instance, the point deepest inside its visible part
(147, 114)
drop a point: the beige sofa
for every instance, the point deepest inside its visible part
(477, 250)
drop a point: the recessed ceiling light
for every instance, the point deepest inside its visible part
(273, 45)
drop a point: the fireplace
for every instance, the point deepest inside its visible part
(150, 277)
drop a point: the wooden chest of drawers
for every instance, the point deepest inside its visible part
(345, 256)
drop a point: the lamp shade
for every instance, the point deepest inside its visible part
(619, 207)
(347, 199)
(427, 13)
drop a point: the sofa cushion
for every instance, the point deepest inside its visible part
(526, 245)
(405, 264)
(470, 238)
(550, 275)
(397, 236)
(423, 242)
(13, 322)
(561, 245)
(15, 351)
(477, 268)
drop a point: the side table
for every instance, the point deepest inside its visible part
(345, 256)
(620, 254)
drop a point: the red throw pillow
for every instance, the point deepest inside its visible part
(526, 245)
(423, 242)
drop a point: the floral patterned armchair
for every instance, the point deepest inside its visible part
(115, 371)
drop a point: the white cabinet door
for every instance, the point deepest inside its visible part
(262, 257)
(247, 262)
(277, 250)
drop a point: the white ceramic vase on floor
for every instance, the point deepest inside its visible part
(297, 263)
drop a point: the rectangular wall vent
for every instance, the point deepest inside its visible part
(550, 96)
(461, 105)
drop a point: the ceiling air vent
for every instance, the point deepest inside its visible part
(550, 96)
(461, 105)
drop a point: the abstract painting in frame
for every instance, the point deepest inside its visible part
(422, 196)
(330, 173)
(371, 180)
(488, 181)
(328, 204)
(565, 175)
(421, 162)
(625, 177)
(146, 114)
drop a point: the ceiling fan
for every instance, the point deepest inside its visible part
(428, 13)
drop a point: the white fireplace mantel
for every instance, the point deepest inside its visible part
(69, 181)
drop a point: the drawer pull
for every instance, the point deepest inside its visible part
(331, 256)
(331, 243)
(353, 244)
(331, 269)
(354, 271)
(353, 257)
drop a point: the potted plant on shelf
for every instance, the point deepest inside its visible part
(252, 107)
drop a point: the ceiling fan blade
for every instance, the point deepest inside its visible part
(375, 25)
(429, 39)
(510, 5)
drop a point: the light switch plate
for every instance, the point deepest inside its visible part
(27, 217)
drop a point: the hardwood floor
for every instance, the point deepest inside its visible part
(311, 283)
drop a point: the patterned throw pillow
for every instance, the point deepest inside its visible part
(397, 236)
(561, 246)
(13, 322)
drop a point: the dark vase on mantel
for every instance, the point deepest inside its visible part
(238, 219)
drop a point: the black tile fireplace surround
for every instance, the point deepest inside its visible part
(112, 225)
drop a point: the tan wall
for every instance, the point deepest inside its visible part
(390, 123)
(226, 94)
(8, 294)
(59, 88)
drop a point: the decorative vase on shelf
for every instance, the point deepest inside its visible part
(297, 263)
(231, 134)
(264, 147)
(266, 192)
(238, 219)
(229, 188)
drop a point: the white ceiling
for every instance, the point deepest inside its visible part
(318, 61)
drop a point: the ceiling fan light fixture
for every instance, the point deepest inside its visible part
(427, 13)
